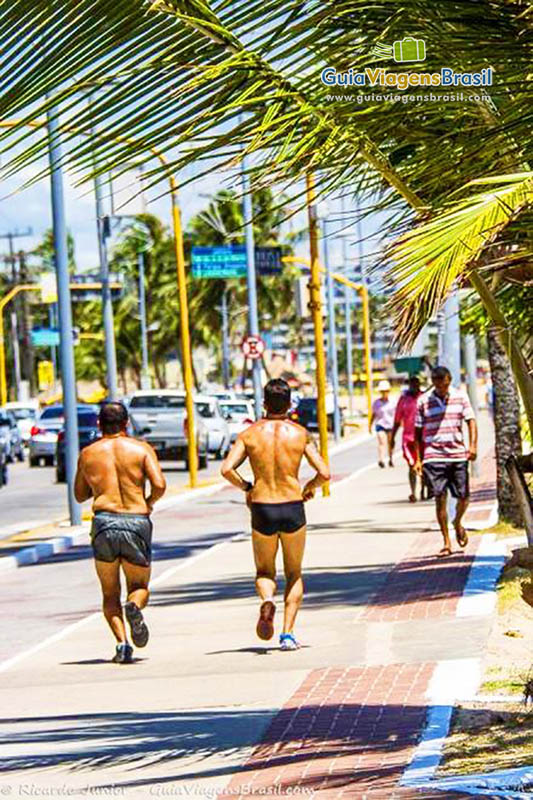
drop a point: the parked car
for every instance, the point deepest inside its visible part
(25, 414)
(306, 414)
(88, 432)
(239, 414)
(158, 416)
(5, 446)
(14, 445)
(43, 440)
(218, 429)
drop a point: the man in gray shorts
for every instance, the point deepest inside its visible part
(114, 472)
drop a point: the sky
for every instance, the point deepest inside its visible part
(30, 208)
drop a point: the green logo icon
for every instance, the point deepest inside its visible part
(407, 49)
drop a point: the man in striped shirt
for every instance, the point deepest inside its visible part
(440, 445)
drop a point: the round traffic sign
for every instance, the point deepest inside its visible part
(253, 347)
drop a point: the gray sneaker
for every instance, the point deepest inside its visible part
(139, 629)
(124, 654)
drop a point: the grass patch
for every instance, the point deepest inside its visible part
(486, 740)
(509, 588)
(503, 529)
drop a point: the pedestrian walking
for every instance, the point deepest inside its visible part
(114, 471)
(383, 409)
(441, 453)
(405, 418)
(275, 447)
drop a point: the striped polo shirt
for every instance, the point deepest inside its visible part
(441, 420)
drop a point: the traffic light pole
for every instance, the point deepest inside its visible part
(66, 345)
(253, 319)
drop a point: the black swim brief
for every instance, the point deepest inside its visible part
(271, 518)
(126, 536)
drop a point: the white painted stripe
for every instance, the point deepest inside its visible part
(56, 637)
(509, 783)
(336, 484)
(451, 681)
(479, 595)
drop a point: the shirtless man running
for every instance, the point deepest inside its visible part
(114, 471)
(275, 447)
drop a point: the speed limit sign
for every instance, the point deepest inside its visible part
(253, 347)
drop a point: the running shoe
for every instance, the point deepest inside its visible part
(139, 629)
(265, 623)
(124, 654)
(288, 642)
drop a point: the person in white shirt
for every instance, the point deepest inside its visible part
(383, 410)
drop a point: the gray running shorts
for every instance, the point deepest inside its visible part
(126, 536)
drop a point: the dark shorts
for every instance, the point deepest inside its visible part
(126, 536)
(380, 428)
(271, 518)
(452, 475)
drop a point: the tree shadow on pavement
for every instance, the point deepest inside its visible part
(358, 748)
(426, 579)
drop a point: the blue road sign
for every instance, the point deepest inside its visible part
(45, 337)
(229, 261)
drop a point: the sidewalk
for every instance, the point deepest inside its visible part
(209, 710)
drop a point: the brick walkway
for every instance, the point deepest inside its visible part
(351, 732)
(345, 733)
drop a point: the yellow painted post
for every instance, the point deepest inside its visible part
(3, 381)
(185, 338)
(3, 303)
(316, 302)
(368, 352)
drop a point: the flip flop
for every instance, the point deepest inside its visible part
(461, 535)
(445, 551)
(265, 623)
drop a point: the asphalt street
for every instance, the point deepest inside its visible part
(40, 600)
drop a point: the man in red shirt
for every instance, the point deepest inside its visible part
(405, 417)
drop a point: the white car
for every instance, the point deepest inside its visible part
(208, 408)
(238, 414)
(25, 414)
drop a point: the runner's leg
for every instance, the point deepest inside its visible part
(137, 579)
(389, 446)
(412, 481)
(265, 549)
(109, 576)
(293, 545)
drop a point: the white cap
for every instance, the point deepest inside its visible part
(383, 386)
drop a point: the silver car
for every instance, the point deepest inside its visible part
(219, 436)
(158, 416)
(13, 444)
(43, 439)
(239, 415)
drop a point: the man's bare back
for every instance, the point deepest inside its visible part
(114, 471)
(275, 448)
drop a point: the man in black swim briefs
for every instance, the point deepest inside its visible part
(275, 447)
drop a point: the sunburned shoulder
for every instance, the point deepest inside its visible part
(263, 426)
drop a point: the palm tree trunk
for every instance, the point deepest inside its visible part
(506, 424)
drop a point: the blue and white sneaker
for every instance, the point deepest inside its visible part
(288, 642)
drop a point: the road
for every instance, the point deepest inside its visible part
(41, 599)
(49, 499)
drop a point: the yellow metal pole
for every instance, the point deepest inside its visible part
(3, 303)
(185, 336)
(368, 352)
(316, 303)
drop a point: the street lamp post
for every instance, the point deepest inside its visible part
(251, 279)
(348, 320)
(66, 344)
(225, 339)
(332, 337)
(145, 377)
(107, 303)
